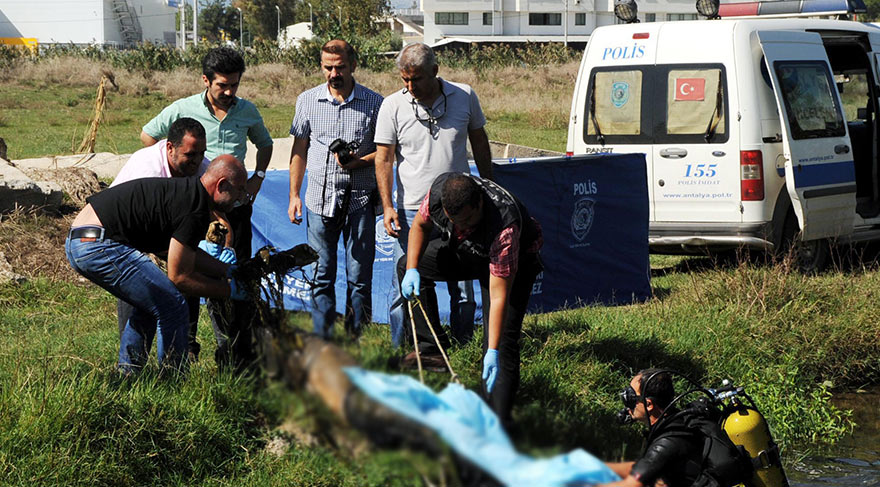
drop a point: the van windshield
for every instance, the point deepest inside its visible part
(810, 104)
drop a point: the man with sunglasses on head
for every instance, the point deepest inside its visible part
(679, 452)
(425, 129)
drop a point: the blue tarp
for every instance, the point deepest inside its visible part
(593, 210)
(469, 427)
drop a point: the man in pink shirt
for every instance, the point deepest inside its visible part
(182, 154)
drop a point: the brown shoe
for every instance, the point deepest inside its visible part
(430, 362)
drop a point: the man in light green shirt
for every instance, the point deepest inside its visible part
(229, 122)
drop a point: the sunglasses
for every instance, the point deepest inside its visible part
(427, 115)
(630, 398)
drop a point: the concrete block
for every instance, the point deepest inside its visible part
(18, 190)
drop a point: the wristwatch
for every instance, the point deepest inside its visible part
(260, 174)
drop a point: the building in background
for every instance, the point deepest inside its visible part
(408, 23)
(293, 35)
(98, 22)
(534, 20)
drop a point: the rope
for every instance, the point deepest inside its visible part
(416, 342)
(436, 340)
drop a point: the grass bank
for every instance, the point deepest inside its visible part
(66, 419)
(45, 107)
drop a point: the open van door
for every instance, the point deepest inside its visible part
(819, 170)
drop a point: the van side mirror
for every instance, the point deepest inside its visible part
(862, 113)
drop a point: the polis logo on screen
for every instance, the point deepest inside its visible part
(584, 212)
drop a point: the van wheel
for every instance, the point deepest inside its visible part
(809, 257)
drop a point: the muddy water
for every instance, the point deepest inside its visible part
(855, 461)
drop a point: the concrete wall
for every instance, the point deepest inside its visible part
(50, 21)
(112, 35)
(7, 28)
(155, 18)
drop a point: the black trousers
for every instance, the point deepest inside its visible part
(234, 321)
(440, 262)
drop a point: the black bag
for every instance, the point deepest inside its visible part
(726, 463)
(723, 463)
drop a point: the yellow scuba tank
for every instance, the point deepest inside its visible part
(746, 427)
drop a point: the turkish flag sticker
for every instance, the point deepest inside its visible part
(690, 89)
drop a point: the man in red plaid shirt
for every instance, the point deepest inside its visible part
(484, 233)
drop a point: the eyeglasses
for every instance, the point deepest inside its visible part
(431, 116)
(630, 398)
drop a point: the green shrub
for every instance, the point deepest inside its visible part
(375, 53)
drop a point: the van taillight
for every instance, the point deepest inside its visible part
(751, 175)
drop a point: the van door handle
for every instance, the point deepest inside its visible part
(673, 153)
(841, 149)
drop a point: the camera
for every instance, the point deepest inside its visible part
(344, 149)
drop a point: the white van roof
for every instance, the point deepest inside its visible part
(699, 41)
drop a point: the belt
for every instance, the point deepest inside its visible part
(87, 234)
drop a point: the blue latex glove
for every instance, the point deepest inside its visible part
(490, 369)
(227, 256)
(211, 248)
(410, 285)
(223, 254)
(237, 291)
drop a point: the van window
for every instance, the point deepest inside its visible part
(671, 103)
(854, 94)
(616, 103)
(809, 102)
(694, 101)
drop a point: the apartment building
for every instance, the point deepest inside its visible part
(535, 20)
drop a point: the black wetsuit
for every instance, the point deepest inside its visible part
(688, 449)
(670, 454)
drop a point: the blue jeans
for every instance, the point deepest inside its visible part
(131, 276)
(462, 305)
(359, 236)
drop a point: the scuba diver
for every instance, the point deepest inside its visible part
(685, 447)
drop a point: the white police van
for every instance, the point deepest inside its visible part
(758, 132)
